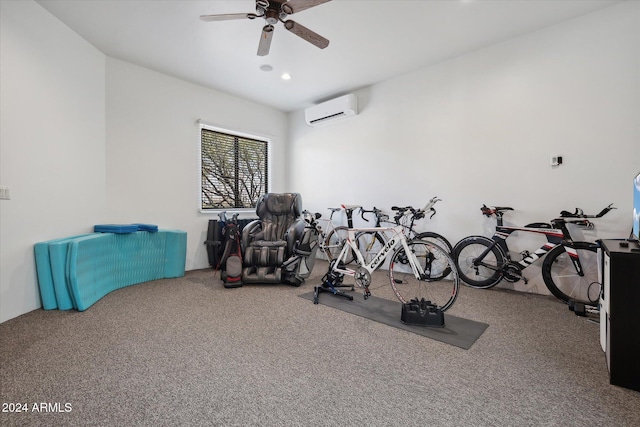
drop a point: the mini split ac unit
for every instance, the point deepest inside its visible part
(344, 106)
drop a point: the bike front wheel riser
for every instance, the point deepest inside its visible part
(433, 286)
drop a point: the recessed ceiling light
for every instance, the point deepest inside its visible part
(266, 67)
(286, 76)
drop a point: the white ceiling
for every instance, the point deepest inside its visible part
(371, 41)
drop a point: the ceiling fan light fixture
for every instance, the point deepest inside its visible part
(274, 11)
(285, 76)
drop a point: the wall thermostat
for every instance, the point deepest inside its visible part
(556, 160)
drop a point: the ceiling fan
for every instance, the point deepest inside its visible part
(273, 11)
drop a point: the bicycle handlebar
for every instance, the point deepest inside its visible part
(417, 213)
(310, 218)
(429, 205)
(579, 213)
(377, 212)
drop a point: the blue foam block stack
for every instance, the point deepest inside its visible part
(76, 272)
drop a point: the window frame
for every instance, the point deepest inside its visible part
(253, 136)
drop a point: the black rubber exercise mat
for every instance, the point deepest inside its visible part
(456, 330)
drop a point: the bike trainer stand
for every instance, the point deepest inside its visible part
(330, 282)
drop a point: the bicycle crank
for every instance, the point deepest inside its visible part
(363, 278)
(512, 272)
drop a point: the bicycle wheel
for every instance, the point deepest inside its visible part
(435, 238)
(334, 243)
(561, 277)
(487, 272)
(369, 244)
(440, 290)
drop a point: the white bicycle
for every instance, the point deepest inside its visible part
(416, 269)
(371, 243)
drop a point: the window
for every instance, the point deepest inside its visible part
(234, 170)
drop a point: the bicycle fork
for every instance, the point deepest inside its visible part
(416, 268)
(575, 259)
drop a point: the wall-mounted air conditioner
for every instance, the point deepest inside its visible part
(344, 106)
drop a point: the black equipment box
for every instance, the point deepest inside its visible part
(422, 313)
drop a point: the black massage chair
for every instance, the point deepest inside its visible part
(280, 246)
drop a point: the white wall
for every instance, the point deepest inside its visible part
(480, 128)
(153, 147)
(52, 143)
(90, 140)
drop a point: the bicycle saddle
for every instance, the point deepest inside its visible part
(496, 210)
(350, 208)
(502, 208)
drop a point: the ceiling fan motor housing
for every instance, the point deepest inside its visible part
(273, 11)
(271, 16)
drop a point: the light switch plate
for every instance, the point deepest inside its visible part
(4, 193)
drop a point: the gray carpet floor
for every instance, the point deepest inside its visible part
(187, 352)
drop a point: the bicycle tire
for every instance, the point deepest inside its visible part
(562, 280)
(435, 238)
(484, 276)
(369, 244)
(334, 242)
(441, 291)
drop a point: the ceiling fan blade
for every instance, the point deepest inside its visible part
(295, 6)
(265, 40)
(305, 33)
(227, 16)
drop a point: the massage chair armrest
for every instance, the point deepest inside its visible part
(293, 235)
(251, 232)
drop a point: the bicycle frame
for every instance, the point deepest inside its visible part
(555, 237)
(397, 240)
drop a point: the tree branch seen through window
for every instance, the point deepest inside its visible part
(234, 170)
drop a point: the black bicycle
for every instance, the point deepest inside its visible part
(570, 269)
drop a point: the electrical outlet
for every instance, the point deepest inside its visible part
(4, 193)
